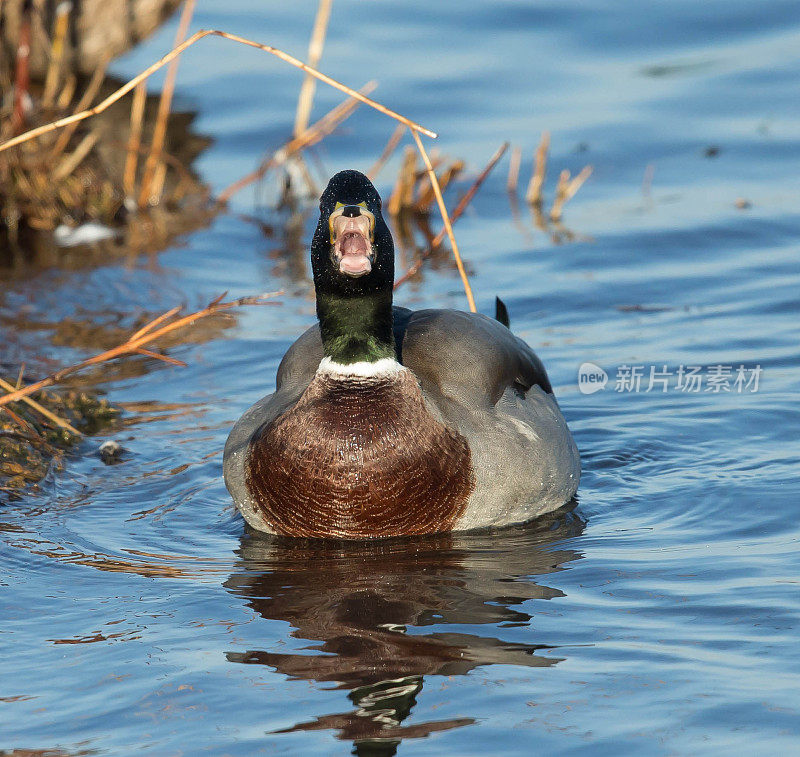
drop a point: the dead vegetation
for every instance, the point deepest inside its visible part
(70, 167)
(35, 435)
(84, 175)
(37, 425)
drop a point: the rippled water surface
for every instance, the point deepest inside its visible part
(660, 615)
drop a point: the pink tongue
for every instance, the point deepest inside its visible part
(354, 244)
(354, 259)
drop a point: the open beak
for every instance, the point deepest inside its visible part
(352, 231)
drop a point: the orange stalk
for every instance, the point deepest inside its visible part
(306, 98)
(149, 193)
(459, 210)
(135, 343)
(446, 219)
(310, 136)
(174, 53)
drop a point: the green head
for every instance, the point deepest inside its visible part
(352, 257)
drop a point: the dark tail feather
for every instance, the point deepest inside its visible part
(501, 312)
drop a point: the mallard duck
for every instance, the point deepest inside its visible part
(391, 422)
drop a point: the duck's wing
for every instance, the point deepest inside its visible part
(301, 361)
(467, 357)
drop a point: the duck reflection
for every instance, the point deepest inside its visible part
(381, 613)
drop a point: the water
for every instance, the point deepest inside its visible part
(659, 616)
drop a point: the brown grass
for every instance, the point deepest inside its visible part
(135, 344)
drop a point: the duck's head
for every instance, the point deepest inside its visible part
(352, 253)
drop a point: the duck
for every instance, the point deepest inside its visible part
(387, 422)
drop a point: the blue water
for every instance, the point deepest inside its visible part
(660, 615)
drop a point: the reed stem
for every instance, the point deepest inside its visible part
(148, 193)
(315, 47)
(135, 343)
(446, 219)
(174, 53)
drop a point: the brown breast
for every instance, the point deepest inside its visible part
(359, 458)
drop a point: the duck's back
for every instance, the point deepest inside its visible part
(480, 382)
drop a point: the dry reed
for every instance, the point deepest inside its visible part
(513, 170)
(22, 73)
(446, 219)
(534, 194)
(67, 92)
(315, 47)
(174, 53)
(76, 157)
(391, 146)
(56, 53)
(38, 408)
(98, 77)
(135, 345)
(403, 193)
(134, 140)
(426, 194)
(150, 190)
(310, 136)
(456, 214)
(566, 189)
